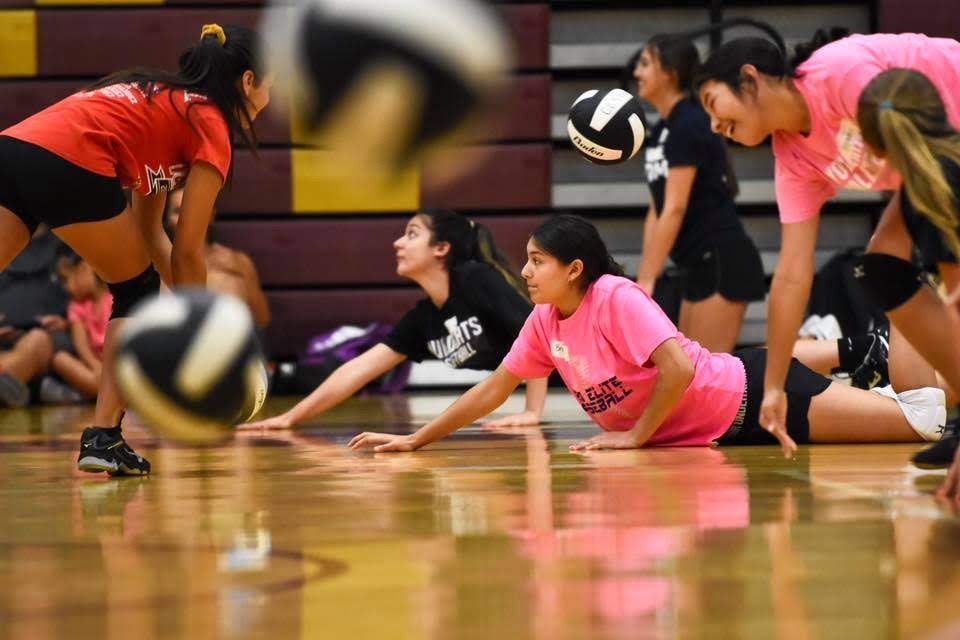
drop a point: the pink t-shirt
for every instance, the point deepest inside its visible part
(603, 351)
(94, 316)
(810, 169)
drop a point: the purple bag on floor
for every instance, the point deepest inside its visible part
(327, 351)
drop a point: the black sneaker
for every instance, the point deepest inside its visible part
(106, 450)
(873, 371)
(939, 455)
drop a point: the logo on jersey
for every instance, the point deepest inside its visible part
(457, 347)
(855, 167)
(559, 350)
(159, 180)
(656, 163)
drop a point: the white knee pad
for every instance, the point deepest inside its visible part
(925, 409)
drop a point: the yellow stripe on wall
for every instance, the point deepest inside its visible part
(94, 3)
(18, 42)
(326, 182)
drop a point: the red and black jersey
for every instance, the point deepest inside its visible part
(150, 145)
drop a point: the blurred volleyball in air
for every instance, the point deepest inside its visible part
(382, 82)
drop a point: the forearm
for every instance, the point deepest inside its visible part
(787, 303)
(349, 378)
(656, 252)
(475, 403)
(536, 395)
(188, 269)
(160, 249)
(667, 392)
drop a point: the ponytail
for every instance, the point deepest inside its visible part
(901, 113)
(212, 67)
(568, 238)
(469, 240)
(768, 56)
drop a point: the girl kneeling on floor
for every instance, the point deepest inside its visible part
(644, 383)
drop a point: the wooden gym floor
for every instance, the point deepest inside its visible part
(487, 535)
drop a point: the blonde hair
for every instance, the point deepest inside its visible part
(901, 113)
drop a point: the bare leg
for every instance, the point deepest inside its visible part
(908, 369)
(14, 236)
(714, 323)
(822, 356)
(846, 414)
(29, 357)
(914, 319)
(116, 251)
(76, 373)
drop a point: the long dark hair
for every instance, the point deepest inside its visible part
(567, 238)
(212, 69)
(677, 53)
(725, 64)
(469, 240)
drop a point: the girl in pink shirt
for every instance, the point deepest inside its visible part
(88, 315)
(643, 382)
(809, 106)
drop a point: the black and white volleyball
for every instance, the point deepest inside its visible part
(190, 366)
(385, 78)
(606, 127)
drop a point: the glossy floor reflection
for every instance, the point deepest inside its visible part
(487, 535)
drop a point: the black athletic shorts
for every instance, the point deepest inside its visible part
(40, 186)
(730, 267)
(802, 384)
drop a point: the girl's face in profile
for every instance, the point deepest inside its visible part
(413, 250)
(548, 281)
(651, 79)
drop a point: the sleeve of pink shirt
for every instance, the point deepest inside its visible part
(634, 324)
(800, 194)
(76, 312)
(529, 357)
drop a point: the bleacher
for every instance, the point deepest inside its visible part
(324, 251)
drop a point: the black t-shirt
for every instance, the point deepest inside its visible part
(29, 287)
(929, 245)
(684, 139)
(474, 329)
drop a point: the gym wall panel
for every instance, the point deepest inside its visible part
(346, 251)
(326, 182)
(259, 185)
(932, 17)
(298, 315)
(530, 25)
(22, 98)
(18, 43)
(95, 42)
(509, 176)
(91, 41)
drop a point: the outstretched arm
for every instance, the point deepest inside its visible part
(475, 403)
(536, 398)
(148, 212)
(348, 378)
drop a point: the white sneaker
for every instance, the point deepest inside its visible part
(806, 329)
(822, 327)
(925, 409)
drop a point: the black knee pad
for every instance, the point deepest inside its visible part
(128, 293)
(888, 280)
